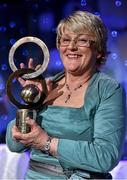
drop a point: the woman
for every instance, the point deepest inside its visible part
(80, 131)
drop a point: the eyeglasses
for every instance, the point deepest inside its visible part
(80, 41)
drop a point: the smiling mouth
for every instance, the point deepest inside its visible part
(73, 56)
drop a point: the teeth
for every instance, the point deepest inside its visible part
(72, 56)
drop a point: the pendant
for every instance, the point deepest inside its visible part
(68, 97)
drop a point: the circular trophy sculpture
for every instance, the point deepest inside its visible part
(31, 95)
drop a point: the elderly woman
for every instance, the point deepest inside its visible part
(81, 130)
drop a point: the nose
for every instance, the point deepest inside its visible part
(72, 45)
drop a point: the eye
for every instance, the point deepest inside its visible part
(82, 41)
(65, 40)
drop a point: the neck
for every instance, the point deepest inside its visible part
(76, 79)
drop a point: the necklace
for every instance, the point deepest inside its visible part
(75, 89)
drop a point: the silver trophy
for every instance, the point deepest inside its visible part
(30, 94)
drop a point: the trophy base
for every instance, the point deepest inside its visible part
(21, 116)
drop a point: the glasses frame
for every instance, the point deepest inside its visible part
(76, 40)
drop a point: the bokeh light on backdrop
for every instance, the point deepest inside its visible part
(40, 18)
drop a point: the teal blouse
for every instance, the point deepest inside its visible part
(90, 137)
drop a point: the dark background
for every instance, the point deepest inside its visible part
(39, 18)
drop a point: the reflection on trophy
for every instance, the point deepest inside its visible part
(31, 95)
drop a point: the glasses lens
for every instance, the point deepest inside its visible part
(81, 41)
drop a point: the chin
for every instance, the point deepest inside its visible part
(73, 71)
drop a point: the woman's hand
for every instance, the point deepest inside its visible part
(36, 138)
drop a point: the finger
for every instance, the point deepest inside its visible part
(30, 63)
(15, 129)
(48, 80)
(17, 135)
(22, 136)
(26, 142)
(49, 84)
(38, 66)
(31, 122)
(22, 65)
(21, 81)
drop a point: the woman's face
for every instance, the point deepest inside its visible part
(77, 53)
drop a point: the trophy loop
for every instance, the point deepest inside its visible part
(20, 73)
(31, 95)
(43, 48)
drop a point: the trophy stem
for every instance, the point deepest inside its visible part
(21, 116)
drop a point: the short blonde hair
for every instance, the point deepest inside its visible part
(81, 21)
